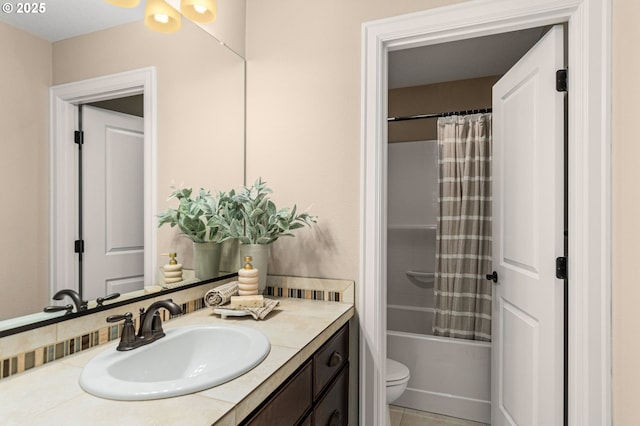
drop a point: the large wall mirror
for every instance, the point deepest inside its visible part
(198, 124)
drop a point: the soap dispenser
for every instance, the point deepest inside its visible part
(247, 279)
(173, 270)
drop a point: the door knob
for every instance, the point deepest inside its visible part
(493, 277)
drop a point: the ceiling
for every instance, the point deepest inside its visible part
(460, 60)
(68, 18)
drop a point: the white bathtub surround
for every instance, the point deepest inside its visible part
(451, 377)
(411, 234)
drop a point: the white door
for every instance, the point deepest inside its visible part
(113, 199)
(527, 356)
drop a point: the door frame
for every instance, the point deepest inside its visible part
(589, 65)
(63, 101)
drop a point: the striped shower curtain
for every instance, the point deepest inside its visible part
(463, 237)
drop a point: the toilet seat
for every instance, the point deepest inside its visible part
(397, 379)
(397, 373)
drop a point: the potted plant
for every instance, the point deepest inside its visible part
(200, 220)
(255, 221)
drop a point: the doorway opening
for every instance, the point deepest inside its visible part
(426, 84)
(588, 181)
(65, 100)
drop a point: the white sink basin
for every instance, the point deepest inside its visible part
(188, 359)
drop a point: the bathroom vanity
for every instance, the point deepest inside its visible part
(305, 377)
(318, 393)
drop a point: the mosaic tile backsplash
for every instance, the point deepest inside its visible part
(278, 286)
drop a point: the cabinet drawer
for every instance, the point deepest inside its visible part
(329, 359)
(288, 404)
(333, 408)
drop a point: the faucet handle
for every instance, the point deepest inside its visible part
(128, 337)
(116, 318)
(68, 308)
(101, 300)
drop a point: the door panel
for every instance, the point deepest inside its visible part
(528, 199)
(520, 150)
(113, 198)
(124, 190)
(520, 342)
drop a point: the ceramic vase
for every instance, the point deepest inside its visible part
(260, 255)
(206, 259)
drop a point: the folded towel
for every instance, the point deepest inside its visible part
(221, 294)
(257, 313)
(260, 313)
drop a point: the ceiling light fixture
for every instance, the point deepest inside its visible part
(161, 17)
(124, 3)
(201, 11)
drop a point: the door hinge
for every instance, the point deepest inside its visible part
(561, 268)
(561, 80)
(79, 137)
(78, 246)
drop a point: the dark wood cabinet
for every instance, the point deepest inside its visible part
(332, 409)
(329, 359)
(289, 403)
(316, 394)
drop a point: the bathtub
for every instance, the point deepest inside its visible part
(448, 376)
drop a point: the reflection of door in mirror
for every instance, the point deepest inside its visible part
(117, 179)
(112, 202)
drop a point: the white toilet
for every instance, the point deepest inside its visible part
(397, 379)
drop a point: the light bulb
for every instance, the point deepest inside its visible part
(201, 11)
(160, 17)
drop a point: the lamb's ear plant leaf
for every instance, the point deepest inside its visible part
(201, 218)
(262, 222)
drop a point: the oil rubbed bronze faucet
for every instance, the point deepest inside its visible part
(150, 328)
(81, 305)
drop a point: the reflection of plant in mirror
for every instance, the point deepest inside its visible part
(199, 218)
(254, 219)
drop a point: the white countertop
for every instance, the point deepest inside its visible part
(51, 394)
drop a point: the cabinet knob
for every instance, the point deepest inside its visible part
(335, 359)
(336, 418)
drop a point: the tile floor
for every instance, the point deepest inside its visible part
(408, 417)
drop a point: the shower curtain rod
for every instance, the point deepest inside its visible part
(440, 114)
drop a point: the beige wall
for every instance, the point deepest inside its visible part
(25, 76)
(626, 212)
(229, 26)
(200, 104)
(303, 115)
